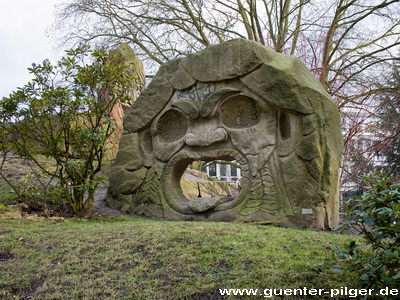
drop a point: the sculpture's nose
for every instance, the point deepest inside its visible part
(205, 135)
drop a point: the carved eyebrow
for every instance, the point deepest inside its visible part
(191, 108)
(188, 108)
(210, 102)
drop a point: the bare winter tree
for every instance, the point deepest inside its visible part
(388, 143)
(349, 45)
(163, 29)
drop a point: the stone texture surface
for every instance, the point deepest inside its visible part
(235, 101)
(135, 68)
(151, 101)
(228, 60)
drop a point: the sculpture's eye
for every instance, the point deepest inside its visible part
(239, 112)
(172, 126)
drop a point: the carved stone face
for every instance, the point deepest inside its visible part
(251, 112)
(212, 122)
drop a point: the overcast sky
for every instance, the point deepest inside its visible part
(23, 40)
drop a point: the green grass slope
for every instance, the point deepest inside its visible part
(144, 259)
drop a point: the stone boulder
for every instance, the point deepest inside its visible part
(242, 102)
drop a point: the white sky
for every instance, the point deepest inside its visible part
(23, 40)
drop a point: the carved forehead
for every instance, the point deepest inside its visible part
(201, 100)
(276, 78)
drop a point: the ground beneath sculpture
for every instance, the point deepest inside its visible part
(101, 207)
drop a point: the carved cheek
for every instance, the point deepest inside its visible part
(169, 133)
(250, 141)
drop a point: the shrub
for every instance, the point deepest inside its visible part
(65, 114)
(376, 217)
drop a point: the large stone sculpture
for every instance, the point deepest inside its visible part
(238, 101)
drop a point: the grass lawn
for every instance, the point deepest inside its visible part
(120, 258)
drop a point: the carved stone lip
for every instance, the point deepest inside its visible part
(177, 165)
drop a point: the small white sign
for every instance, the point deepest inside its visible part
(306, 211)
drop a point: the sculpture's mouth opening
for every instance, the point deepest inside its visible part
(199, 182)
(207, 184)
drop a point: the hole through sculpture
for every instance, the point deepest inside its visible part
(237, 104)
(191, 191)
(210, 179)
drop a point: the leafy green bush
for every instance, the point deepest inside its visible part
(376, 217)
(42, 195)
(65, 114)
